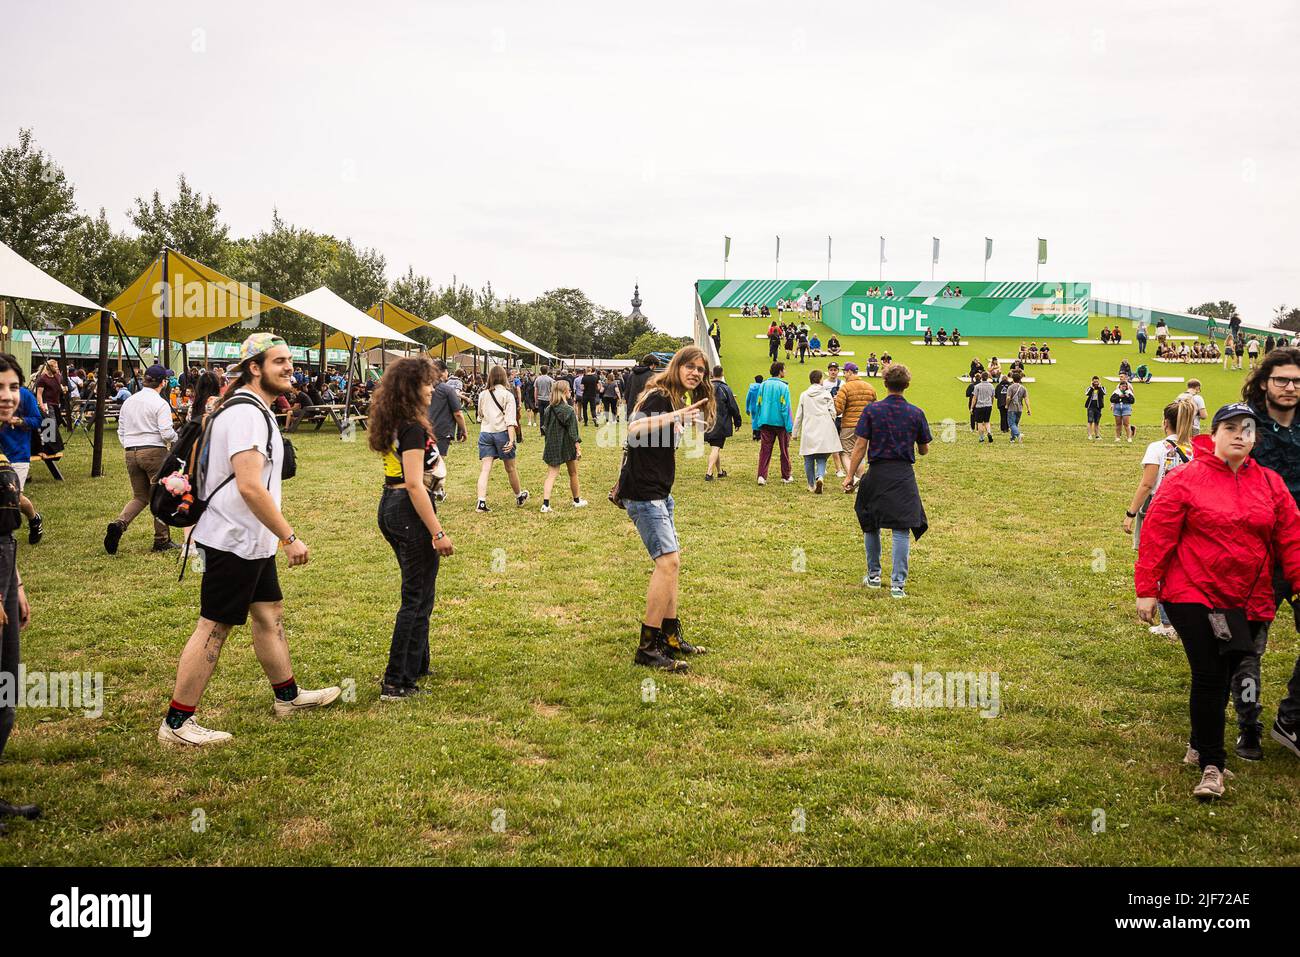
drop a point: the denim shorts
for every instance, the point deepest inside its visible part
(493, 445)
(1121, 409)
(654, 522)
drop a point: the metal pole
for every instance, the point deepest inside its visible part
(63, 359)
(347, 393)
(166, 314)
(320, 378)
(101, 399)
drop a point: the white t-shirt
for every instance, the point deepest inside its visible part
(1201, 412)
(491, 418)
(228, 524)
(1163, 454)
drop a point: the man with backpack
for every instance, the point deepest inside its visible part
(241, 463)
(144, 427)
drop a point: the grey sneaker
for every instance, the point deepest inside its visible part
(871, 581)
(896, 591)
(1211, 785)
(1192, 757)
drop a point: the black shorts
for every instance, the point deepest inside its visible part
(716, 441)
(983, 413)
(1094, 416)
(231, 584)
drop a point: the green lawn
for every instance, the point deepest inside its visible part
(1056, 396)
(538, 720)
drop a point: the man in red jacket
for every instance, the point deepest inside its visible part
(1208, 545)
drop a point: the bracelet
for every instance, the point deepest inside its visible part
(1128, 514)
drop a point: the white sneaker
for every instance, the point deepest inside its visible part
(1117, 438)
(192, 733)
(839, 473)
(761, 480)
(580, 503)
(788, 479)
(306, 700)
(871, 581)
(545, 508)
(521, 498)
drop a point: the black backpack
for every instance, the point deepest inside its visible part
(189, 457)
(11, 519)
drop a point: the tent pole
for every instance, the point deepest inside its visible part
(347, 393)
(101, 399)
(206, 367)
(63, 359)
(121, 339)
(166, 314)
(320, 378)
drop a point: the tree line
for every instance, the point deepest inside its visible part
(41, 221)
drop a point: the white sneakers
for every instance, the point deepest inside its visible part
(545, 508)
(1164, 631)
(761, 480)
(191, 733)
(305, 701)
(580, 503)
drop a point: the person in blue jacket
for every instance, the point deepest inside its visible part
(16, 443)
(751, 402)
(775, 420)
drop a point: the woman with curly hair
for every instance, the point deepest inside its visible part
(678, 397)
(399, 431)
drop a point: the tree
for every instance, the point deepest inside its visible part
(574, 320)
(102, 262)
(414, 293)
(358, 275)
(1288, 319)
(654, 342)
(614, 333)
(189, 224)
(38, 208)
(1222, 311)
(286, 262)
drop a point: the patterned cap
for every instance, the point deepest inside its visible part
(256, 344)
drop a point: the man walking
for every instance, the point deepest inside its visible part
(446, 417)
(144, 427)
(890, 434)
(542, 390)
(590, 394)
(238, 534)
(1017, 405)
(775, 420)
(854, 396)
(981, 404)
(641, 374)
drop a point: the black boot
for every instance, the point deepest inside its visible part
(653, 651)
(677, 645)
(29, 811)
(1248, 745)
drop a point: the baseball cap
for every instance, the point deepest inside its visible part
(1232, 410)
(850, 367)
(254, 346)
(157, 373)
(832, 365)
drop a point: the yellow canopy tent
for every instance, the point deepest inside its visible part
(391, 315)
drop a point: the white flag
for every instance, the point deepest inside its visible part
(988, 249)
(934, 258)
(882, 250)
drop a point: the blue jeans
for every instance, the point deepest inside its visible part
(814, 466)
(654, 523)
(1013, 420)
(1142, 342)
(902, 548)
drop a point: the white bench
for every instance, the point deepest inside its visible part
(1098, 342)
(1154, 378)
(1024, 378)
(964, 342)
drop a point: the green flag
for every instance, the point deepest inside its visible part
(1042, 251)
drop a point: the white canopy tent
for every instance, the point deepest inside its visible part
(521, 341)
(331, 310)
(458, 330)
(19, 279)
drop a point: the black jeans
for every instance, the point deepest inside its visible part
(1212, 670)
(408, 656)
(588, 402)
(9, 649)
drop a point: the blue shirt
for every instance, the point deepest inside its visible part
(893, 427)
(16, 443)
(750, 397)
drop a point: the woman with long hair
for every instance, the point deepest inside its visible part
(563, 445)
(399, 431)
(207, 389)
(679, 397)
(498, 416)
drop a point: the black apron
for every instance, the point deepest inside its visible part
(889, 498)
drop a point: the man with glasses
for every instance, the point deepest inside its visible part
(1273, 391)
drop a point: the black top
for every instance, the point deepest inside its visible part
(410, 436)
(589, 385)
(651, 463)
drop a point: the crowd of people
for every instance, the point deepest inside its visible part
(942, 337)
(799, 340)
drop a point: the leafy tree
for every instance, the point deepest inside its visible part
(574, 320)
(415, 294)
(1221, 311)
(38, 209)
(1288, 319)
(358, 275)
(190, 224)
(102, 260)
(654, 342)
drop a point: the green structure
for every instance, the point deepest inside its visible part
(1023, 310)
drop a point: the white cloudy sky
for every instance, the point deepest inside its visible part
(1155, 144)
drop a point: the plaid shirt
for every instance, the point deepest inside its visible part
(893, 427)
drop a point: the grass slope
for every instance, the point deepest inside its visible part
(538, 717)
(1056, 397)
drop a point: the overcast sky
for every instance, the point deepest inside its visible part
(1156, 145)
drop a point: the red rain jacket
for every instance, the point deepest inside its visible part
(1211, 537)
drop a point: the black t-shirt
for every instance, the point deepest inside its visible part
(651, 462)
(303, 400)
(410, 436)
(589, 386)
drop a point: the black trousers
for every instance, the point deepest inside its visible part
(408, 654)
(9, 647)
(1003, 424)
(1212, 669)
(588, 402)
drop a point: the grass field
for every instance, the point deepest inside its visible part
(1056, 397)
(538, 723)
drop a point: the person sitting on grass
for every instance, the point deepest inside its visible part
(929, 337)
(1105, 336)
(873, 366)
(1023, 354)
(1115, 336)
(956, 336)
(995, 369)
(885, 361)
(815, 345)
(1045, 353)
(1033, 352)
(833, 346)
(943, 336)
(563, 445)
(1143, 374)
(1125, 370)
